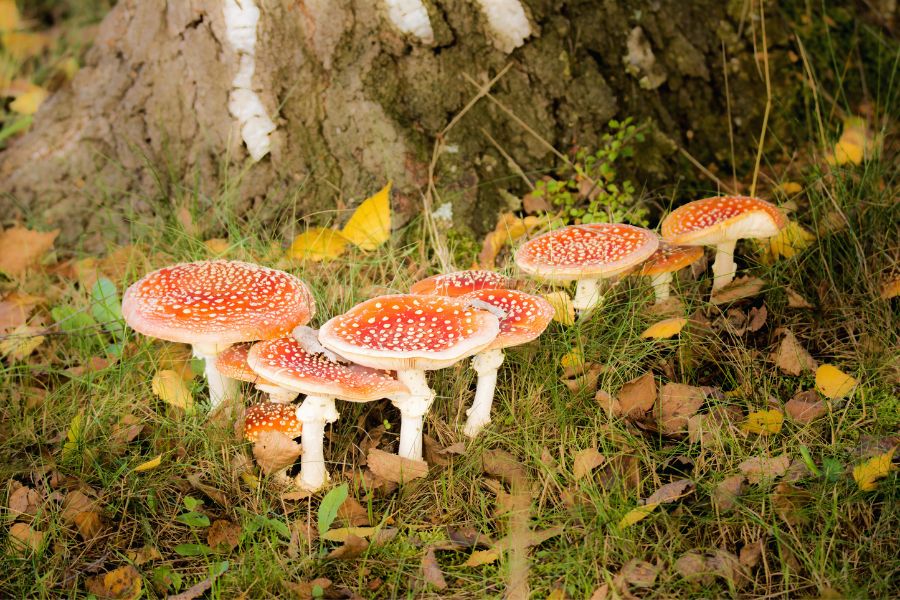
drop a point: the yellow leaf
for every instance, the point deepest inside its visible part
(21, 342)
(149, 465)
(342, 533)
(637, 514)
(170, 387)
(29, 102)
(833, 383)
(24, 44)
(867, 473)
(573, 359)
(482, 557)
(564, 310)
(847, 152)
(787, 243)
(789, 188)
(73, 438)
(763, 422)
(891, 289)
(370, 225)
(665, 328)
(856, 143)
(217, 246)
(318, 243)
(9, 15)
(250, 480)
(22, 248)
(123, 583)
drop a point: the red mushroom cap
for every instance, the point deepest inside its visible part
(271, 416)
(217, 302)
(527, 316)
(232, 363)
(461, 282)
(594, 251)
(724, 218)
(285, 362)
(669, 258)
(407, 331)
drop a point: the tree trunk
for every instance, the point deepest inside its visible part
(333, 98)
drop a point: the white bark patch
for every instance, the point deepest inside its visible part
(508, 23)
(241, 18)
(411, 17)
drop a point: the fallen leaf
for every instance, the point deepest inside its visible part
(274, 451)
(638, 396)
(503, 465)
(584, 378)
(563, 309)
(353, 547)
(370, 224)
(573, 359)
(23, 501)
(508, 229)
(23, 45)
(834, 383)
(143, 555)
(21, 342)
(693, 566)
(223, 535)
(761, 468)
(727, 566)
(636, 514)
(342, 533)
(149, 465)
(763, 422)
(791, 357)
(742, 287)
(789, 188)
(24, 538)
(123, 583)
(317, 244)
(431, 570)
(601, 593)
(671, 492)
(727, 492)
(868, 473)
(170, 387)
(9, 15)
(790, 503)
(125, 430)
(857, 143)
(353, 513)
(751, 554)
(795, 300)
(586, 461)
(805, 407)
(787, 243)
(392, 467)
(310, 590)
(890, 289)
(639, 573)
(665, 328)
(677, 403)
(757, 318)
(482, 557)
(217, 246)
(89, 524)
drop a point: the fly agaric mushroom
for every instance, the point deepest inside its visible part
(668, 259)
(586, 254)
(461, 282)
(274, 417)
(410, 334)
(525, 318)
(721, 222)
(215, 304)
(285, 362)
(232, 363)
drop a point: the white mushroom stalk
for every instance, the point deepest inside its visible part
(661, 284)
(221, 388)
(724, 268)
(277, 394)
(314, 412)
(486, 364)
(587, 295)
(413, 407)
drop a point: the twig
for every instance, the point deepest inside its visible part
(509, 159)
(765, 125)
(706, 171)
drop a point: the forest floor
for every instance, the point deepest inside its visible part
(748, 451)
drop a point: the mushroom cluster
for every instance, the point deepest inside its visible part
(249, 322)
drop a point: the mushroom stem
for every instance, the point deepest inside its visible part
(724, 266)
(315, 412)
(412, 407)
(486, 364)
(587, 294)
(220, 387)
(660, 285)
(278, 395)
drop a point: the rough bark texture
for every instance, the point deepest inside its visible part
(146, 120)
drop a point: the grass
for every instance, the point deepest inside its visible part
(821, 535)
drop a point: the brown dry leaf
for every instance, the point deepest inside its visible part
(601, 593)
(75, 502)
(143, 555)
(586, 461)
(609, 404)
(503, 465)
(763, 422)
(124, 432)
(742, 287)
(123, 583)
(310, 590)
(890, 289)
(223, 535)
(15, 309)
(23, 501)
(176, 357)
(582, 378)
(671, 492)
(274, 451)
(758, 318)
(791, 357)
(761, 468)
(21, 342)
(692, 565)
(789, 502)
(639, 573)
(352, 548)
(395, 468)
(727, 492)
(353, 513)
(21, 248)
(341, 534)
(637, 396)
(805, 407)
(727, 566)
(795, 300)
(81, 511)
(89, 524)
(677, 403)
(25, 539)
(751, 554)
(431, 570)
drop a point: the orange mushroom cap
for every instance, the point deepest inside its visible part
(285, 362)
(527, 315)
(232, 363)
(271, 416)
(593, 251)
(408, 331)
(461, 282)
(669, 258)
(714, 220)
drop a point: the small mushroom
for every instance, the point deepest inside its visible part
(215, 304)
(272, 416)
(232, 363)
(722, 221)
(410, 334)
(525, 317)
(586, 254)
(459, 283)
(285, 362)
(668, 259)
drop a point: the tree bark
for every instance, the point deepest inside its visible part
(354, 102)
